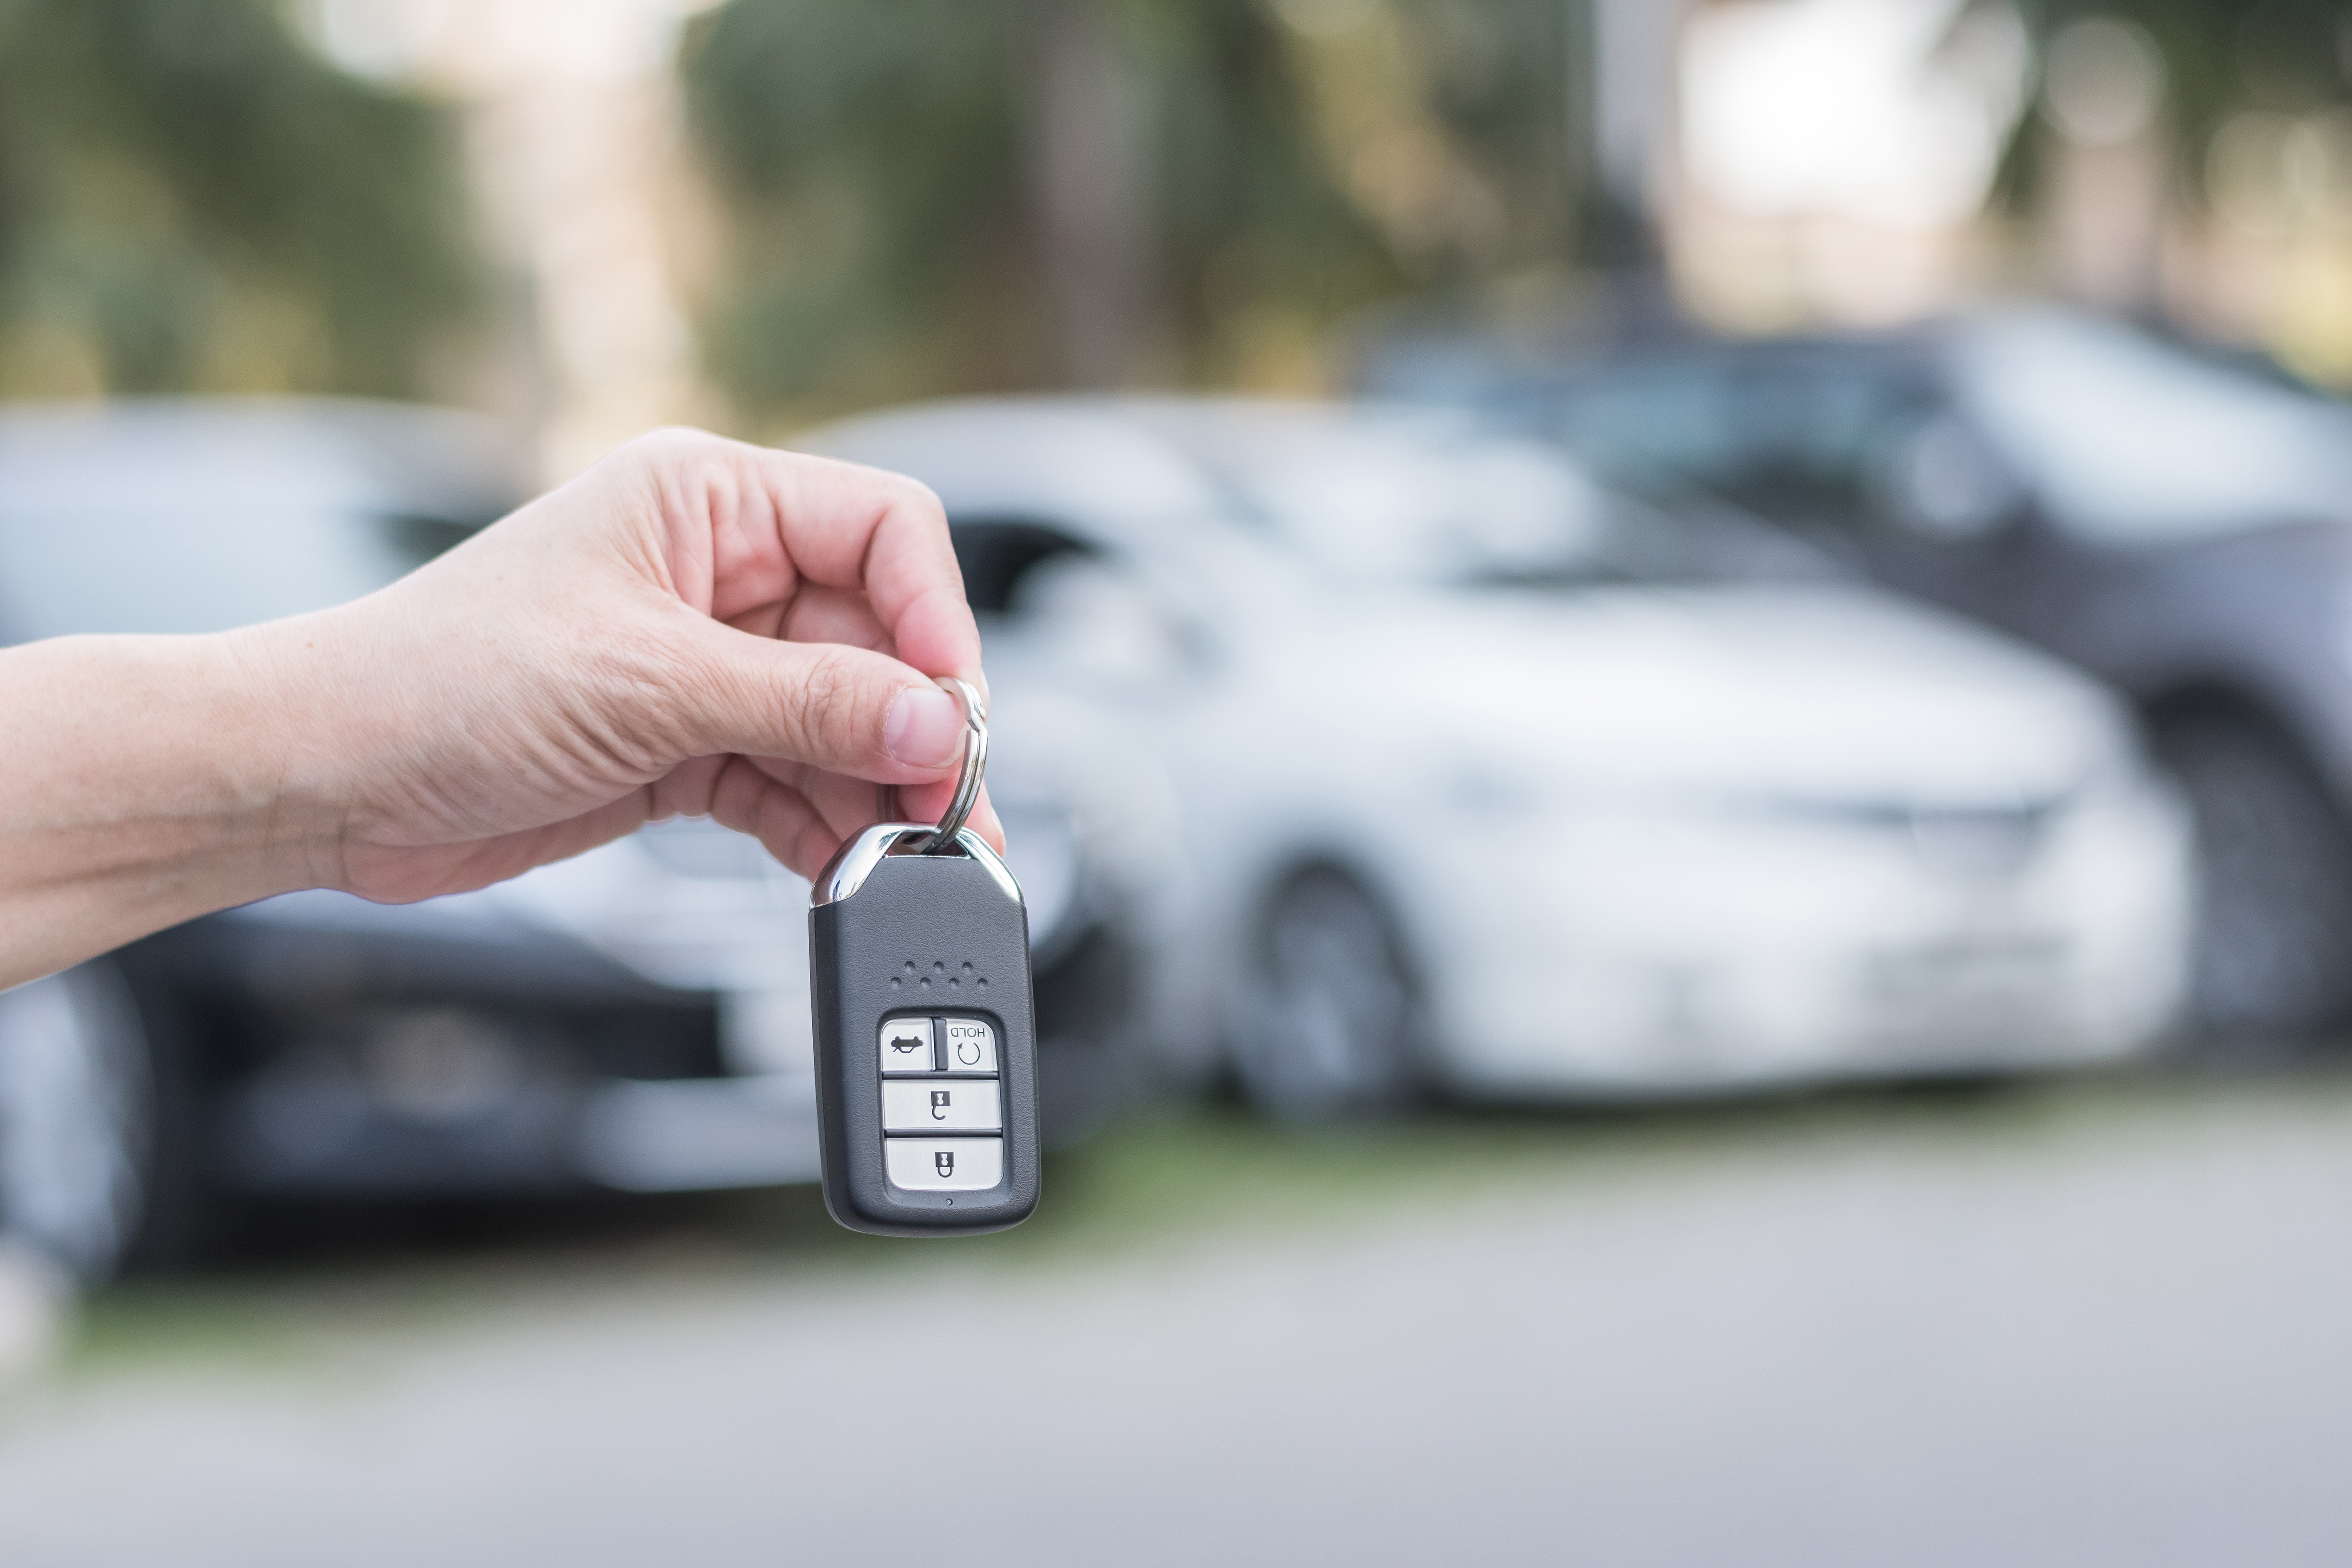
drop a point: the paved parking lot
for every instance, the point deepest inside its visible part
(2089, 1324)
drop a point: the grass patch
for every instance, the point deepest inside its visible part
(1176, 1177)
(241, 1325)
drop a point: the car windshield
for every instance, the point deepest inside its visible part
(1411, 498)
(2132, 441)
(171, 569)
(1401, 497)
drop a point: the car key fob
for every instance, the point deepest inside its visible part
(926, 1045)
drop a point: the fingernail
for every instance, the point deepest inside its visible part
(925, 728)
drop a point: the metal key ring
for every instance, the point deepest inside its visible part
(975, 764)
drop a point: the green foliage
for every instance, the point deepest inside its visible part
(1497, 73)
(1249, 218)
(885, 172)
(191, 201)
(2219, 57)
(865, 154)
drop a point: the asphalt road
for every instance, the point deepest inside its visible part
(2095, 1324)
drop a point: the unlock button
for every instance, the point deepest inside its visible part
(941, 1105)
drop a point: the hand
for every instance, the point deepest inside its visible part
(694, 626)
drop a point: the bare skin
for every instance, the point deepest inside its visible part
(693, 627)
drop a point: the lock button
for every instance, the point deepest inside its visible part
(944, 1164)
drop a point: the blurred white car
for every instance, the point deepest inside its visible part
(636, 1017)
(1485, 787)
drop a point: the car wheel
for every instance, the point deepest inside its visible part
(76, 1118)
(2273, 953)
(1327, 1028)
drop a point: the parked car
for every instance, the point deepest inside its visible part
(2176, 523)
(634, 1018)
(1487, 785)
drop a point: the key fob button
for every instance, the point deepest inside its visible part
(967, 1105)
(969, 1045)
(944, 1164)
(906, 1046)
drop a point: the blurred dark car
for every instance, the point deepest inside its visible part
(634, 1018)
(2176, 523)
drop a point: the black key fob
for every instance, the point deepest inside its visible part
(926, 1042)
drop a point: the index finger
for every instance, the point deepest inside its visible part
(776, 520)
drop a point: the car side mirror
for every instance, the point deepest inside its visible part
(1943, 481)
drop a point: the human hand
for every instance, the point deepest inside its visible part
(694, 626)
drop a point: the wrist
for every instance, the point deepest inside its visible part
(282, 800)
(148, 786)
(215, 805)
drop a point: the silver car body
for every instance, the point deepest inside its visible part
(1638, 837)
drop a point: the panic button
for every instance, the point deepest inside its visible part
(944, 1164)
(970, 1044)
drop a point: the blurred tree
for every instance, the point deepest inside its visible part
(1447, 121)
(189, 200)
(2219, 57)
(931, 195)
(1495, 78)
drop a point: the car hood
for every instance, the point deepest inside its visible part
(1818, 694)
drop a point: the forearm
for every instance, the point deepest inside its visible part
(694, 626)
(146, 782)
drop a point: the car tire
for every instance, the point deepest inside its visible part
(76, 1118)
(2272, 970)
(1329, 1026)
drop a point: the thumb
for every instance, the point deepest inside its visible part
(842, 708)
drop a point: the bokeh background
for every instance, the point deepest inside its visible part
(453, 1295)
(590, 216)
